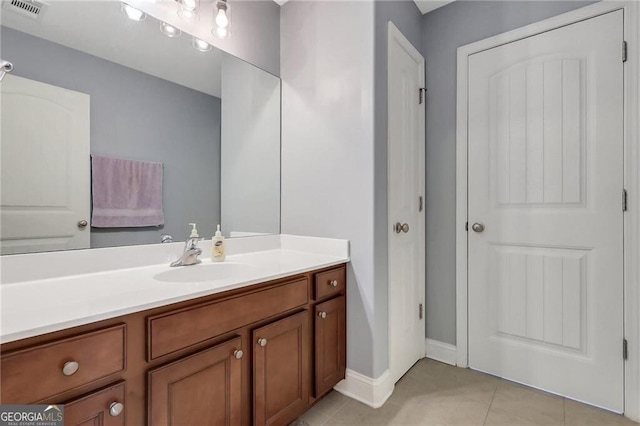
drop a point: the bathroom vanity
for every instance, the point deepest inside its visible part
(250, 352)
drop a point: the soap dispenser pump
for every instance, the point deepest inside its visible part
(218, 253)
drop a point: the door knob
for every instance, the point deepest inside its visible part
(478, 227)
(322, 315)
(262, 342)
(401, 227)
(82, 224)
(238, 353)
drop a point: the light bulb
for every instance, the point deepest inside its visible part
(221, 18)
(169, 30)
(133, 13)
(189, 5)
(201, 45)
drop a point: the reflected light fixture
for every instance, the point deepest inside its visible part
(169, 30)
(189, 10)
(133, 13)
(201, 45)
(222, 20)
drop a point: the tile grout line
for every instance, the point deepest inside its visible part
(344, 404)
(564, 411)
(486, 416)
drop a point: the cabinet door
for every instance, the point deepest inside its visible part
(330, 344)
(202, 389)
(102, 408)
(281, 370)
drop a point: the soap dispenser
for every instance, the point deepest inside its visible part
(217, 247)
(194, 231)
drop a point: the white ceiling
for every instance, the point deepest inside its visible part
(425, 6)
(100, 29)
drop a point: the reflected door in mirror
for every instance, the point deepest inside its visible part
(45, 167)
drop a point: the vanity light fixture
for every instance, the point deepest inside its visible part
(189, 10)
(133, 13)
(169, 30)
(222, 20)
(201, 45)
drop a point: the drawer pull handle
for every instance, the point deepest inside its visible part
(70, 368)
(262, 342)
(238, 353)
(322, 315)
(333, 283)
(116, 408)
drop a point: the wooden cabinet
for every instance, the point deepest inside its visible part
(281, 370)
(259, 355)
(330, 283)
(204, 388)
(48, 369)
(330, 344)
(101, 408)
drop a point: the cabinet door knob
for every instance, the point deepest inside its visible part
(262, 342)
(238, 353)
(333, 283)
(116, 408)
(322, 315)
(82, 224)
(70, 368)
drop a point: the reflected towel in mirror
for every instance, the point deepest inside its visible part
(126, 193)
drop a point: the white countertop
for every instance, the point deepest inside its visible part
(35, 307)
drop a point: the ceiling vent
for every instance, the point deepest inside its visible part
(32, 9)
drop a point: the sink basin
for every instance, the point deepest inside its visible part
(203, 272)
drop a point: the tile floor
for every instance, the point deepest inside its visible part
(432, 393)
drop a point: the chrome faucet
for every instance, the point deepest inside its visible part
(191, 250)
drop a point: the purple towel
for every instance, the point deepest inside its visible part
(126, 193)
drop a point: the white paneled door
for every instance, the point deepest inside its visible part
(545, 211)
(45, 167)
(406, 210)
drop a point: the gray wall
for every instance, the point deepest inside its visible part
(255, 26)
(443, 31)
(327, 65)
(137, 116)
(406, 16)
(250, 153)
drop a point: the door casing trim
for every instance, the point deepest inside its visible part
(631, 182)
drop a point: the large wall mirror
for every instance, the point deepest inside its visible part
(104, 114)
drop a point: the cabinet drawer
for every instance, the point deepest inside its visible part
(180, 329)
(329, 283)
(33, 374)
(105, 407)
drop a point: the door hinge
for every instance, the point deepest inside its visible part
(624, 200)
(466, 226)
(624, 51)
(420, 311)
(625, 349)
(420, 203)
(421, 92)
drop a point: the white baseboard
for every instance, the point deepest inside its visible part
(372, 392)
(441, 351)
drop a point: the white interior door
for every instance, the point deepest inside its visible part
(44, 167)
(546, 181)
(405, 191)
